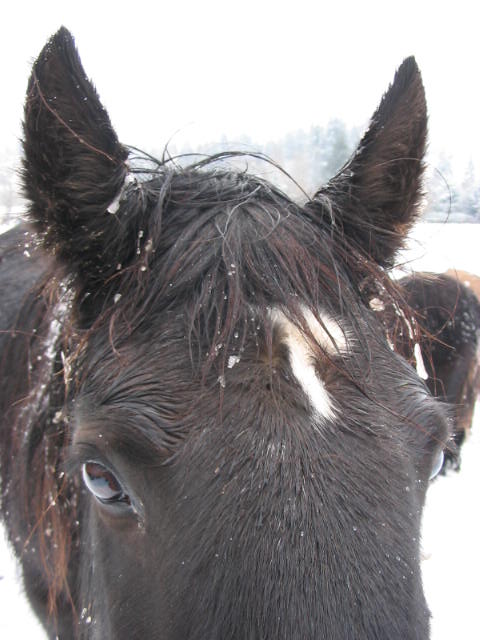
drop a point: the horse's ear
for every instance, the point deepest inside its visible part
(375, 197)
(74, 165)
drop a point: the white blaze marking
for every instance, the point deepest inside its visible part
(419, 364)
(302, 358)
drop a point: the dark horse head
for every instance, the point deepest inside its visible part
(208, 434)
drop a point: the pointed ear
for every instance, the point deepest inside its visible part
(376, 196)
(74, 165)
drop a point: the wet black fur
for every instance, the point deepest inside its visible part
(251, 517)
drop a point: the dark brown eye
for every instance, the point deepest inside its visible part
(103, 484)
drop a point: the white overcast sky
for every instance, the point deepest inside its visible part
(208, 68)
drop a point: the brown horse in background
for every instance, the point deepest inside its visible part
(447, 314)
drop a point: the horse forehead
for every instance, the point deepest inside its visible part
(321, 334)
(326, 332)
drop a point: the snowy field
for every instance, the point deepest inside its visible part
(451, 528)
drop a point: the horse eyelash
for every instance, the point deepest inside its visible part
(79, 453)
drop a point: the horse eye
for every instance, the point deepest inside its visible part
(103, 484)
(437, 464)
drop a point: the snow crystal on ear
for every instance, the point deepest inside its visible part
(114, 206)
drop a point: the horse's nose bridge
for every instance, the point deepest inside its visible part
(276, 477)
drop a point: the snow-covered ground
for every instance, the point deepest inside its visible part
(451, 529)
(451, 545)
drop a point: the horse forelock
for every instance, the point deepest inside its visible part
(220, 243)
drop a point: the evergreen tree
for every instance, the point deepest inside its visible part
(441, 192)
(469, 193)
(338, 149)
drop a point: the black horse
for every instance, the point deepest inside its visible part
(447, 314)
(205, 432)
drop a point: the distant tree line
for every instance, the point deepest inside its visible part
(450, 200)
(311, 157)
(11, 202)
(307, 157)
